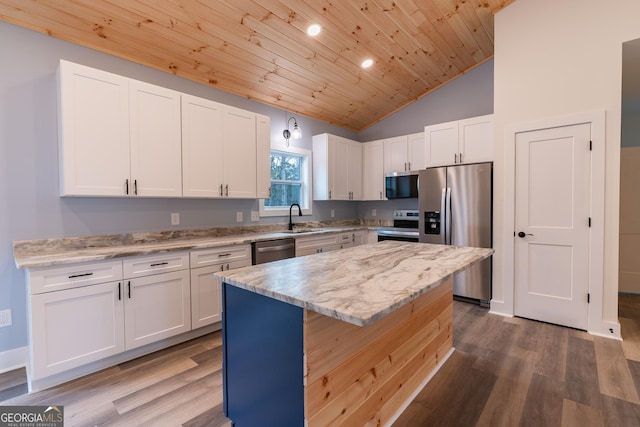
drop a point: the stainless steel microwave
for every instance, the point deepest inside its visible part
(401, 185)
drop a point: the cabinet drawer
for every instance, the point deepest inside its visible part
(154, 264)
(69, 276)
(316, 241)
(223, 254)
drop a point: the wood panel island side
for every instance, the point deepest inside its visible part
(340, 338)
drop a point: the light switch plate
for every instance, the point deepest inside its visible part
(333, 213)
(374, 212)
(239, 216)
(255, 216)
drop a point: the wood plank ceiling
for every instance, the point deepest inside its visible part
(259, 49)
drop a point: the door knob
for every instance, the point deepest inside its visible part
(522, 234)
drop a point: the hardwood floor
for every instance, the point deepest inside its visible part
(504, 372)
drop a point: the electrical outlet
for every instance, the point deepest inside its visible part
(333, 213)
(175, 219)
(5, 318)
(239, 216)
(374, 212)
(255, 216)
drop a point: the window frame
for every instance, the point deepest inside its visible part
(305, 179)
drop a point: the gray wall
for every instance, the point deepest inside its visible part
(31, 207)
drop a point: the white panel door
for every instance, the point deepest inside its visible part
(239, 153)
(417, 151)
(338, 168)
(395, 154)
(442, 144)
(73, 327)
(93, 131)
(373, 170)
(157, 307)
(201, 147)
(355, 170)
(552, 231)
(156, 141)
(263, 157)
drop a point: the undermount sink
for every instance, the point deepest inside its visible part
(303, 230)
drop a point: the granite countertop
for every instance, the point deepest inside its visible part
(358, 285)
(69, 250)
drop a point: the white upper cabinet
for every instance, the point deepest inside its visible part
(219, 149)
(373, 170)
(239, 153)
(464, 141)
(201, 147)
(118, 136)
(93, 128)
(263, 157)
(476, 139)
(355, 170)
(123, 137)
(404, 153)
(337, 168)
(156, 141)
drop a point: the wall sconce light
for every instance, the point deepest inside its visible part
(295, 133)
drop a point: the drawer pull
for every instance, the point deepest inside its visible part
(223, 255)
(129, 288)
(80, 275)
(158, 264)
(119, 291)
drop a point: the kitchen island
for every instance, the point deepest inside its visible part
(340, 338)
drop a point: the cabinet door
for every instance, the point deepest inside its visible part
(156, 147)
(476, 139)
(358, 238)
(156, 307)
(263, 157)
(201, 147)
(355, 170)
(76, 326)
(417, 153)
(206, 293)
(338, 168)
(93, 115)
(373, 170)
(239, 153)
(395, 154)
(442, 144)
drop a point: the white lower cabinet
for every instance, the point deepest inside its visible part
(206, 295)
(86, 312)
(156, 307)
(327, 242)
(73, 327)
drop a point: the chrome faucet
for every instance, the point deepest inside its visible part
(299, 214)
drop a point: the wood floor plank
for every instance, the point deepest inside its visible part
(543, 405)
(581, 380)
(575, 414)
(630, 338)
(504, 372)
(614, 376)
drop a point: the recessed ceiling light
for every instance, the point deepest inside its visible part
(367, 63)
(314, 29)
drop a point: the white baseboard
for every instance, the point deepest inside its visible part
(13, 359)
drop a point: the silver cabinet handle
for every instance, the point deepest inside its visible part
(329, 194)
(135, 187)
(460, 157)
(455, 158)
(126, 186)
(220, 190)
(226, 190)
(409, 168)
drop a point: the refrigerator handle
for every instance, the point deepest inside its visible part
(443, 210)
(448, 226)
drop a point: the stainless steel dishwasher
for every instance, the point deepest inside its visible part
(273, 250)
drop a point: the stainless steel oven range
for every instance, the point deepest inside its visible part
(405, 227)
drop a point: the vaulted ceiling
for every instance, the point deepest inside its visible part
(259, 49)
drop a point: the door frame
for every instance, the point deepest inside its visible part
(596, 119)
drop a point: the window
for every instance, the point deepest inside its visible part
(290, 182)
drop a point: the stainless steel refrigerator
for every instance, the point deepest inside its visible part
(455, 205)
